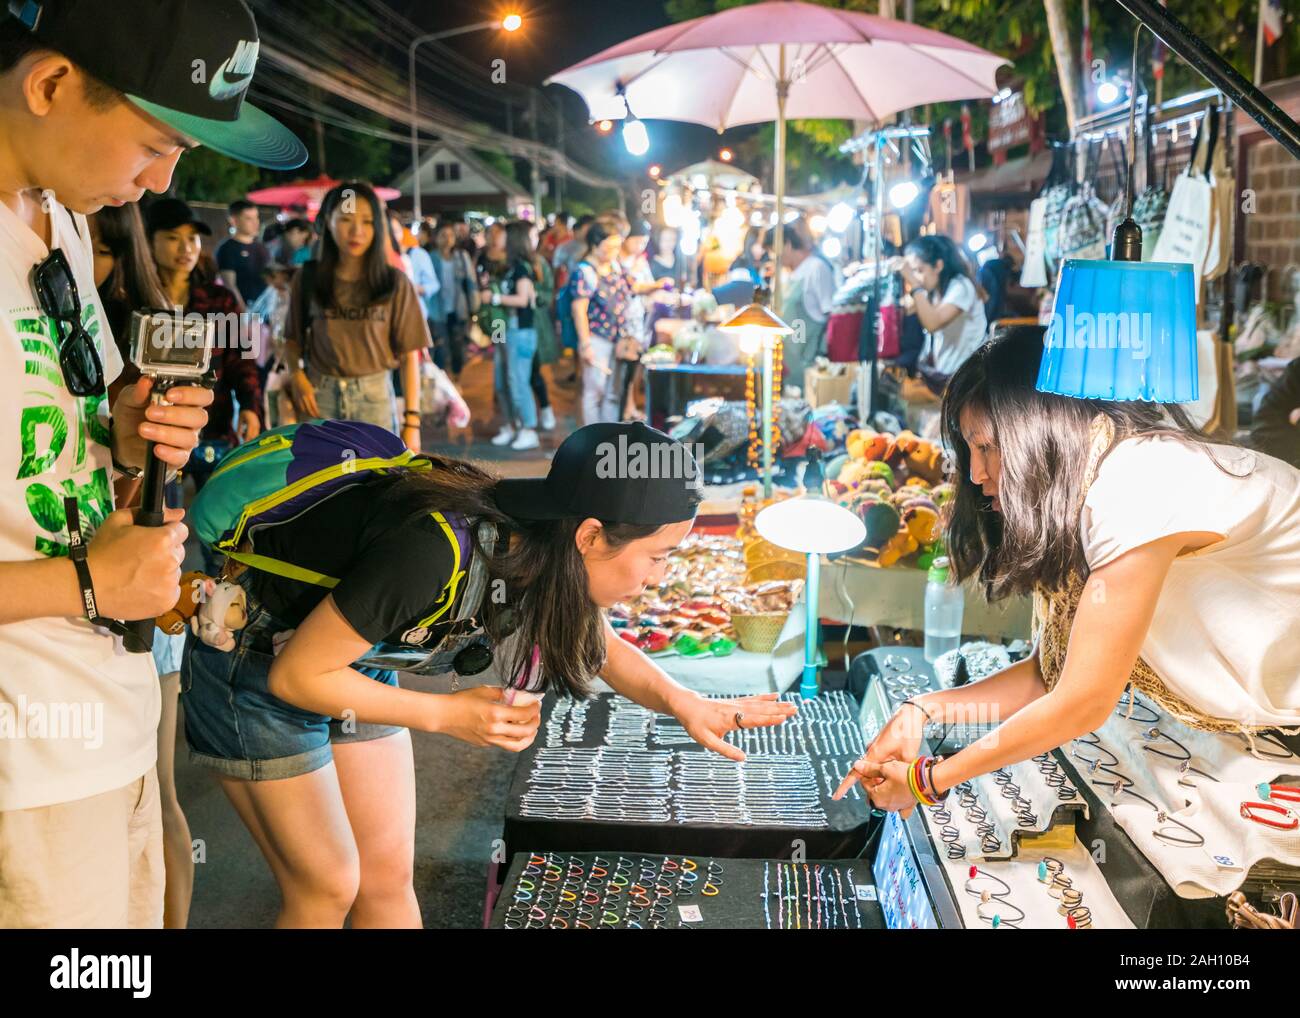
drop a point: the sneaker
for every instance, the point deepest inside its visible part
(505, 436)
(526, 439)
(546, 419)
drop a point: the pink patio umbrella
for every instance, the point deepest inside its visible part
(774, 61)
(307, 194)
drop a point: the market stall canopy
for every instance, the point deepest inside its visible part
(714, 173)
(719, 70)
(306, 194)
(1016, 180)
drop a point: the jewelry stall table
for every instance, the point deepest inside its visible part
(565, 890)
(1079, 867)
(607, 775)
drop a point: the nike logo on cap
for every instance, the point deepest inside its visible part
(234, 75)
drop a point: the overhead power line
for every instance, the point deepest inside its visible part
(442, 123)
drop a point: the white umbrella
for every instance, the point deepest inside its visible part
(773, 61)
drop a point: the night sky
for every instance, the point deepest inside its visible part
(557, 34)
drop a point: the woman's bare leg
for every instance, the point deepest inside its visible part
(378, 782)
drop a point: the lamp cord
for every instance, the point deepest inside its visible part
(1132, 118)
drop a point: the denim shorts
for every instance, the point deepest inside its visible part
(236, 727)
(367, 398)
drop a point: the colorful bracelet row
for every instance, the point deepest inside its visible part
(920, 781)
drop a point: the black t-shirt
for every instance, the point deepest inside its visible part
(510, 285)
(247, 262)
(392, 568)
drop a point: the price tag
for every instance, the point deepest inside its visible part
(1224, 861)
(866, 892)
(690, 913)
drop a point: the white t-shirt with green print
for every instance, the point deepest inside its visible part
(78, 715)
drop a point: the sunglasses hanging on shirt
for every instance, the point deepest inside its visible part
(57, 297)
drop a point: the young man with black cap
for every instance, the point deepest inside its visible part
(89, 117)
(333, 806)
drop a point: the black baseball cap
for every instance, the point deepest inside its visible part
(616, 473)
(187, 62)
(169, 213)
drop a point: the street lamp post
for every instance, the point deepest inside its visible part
(508, 24)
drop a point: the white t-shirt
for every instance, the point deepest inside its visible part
(1226, 632)
(948, 348)
(78, 715)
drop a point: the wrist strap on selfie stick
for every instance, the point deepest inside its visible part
(150, 514)
(77, 551)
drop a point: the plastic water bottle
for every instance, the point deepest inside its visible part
(943, 608)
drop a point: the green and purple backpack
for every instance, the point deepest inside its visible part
(289, 470)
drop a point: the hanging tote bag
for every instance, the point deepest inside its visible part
(1083, 227)
(1056, 192)
(1218, 257)
(1033, 273)
(1150, 206)
(1185, 236)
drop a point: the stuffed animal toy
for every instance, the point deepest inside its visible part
(866, 444)
(901, 544)
(177, 620)
(222, 613)
(922, 522)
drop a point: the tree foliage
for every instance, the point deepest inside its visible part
(1017, 29)
(205, 175)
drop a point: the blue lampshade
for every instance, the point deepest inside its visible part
(1122, 330)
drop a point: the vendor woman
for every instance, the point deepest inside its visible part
(1155, 558)
(315, 754)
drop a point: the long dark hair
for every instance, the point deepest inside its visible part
(1043, 441)
(544, 576)
(134, 284)
(935, 247)
(519, 244)
(377, 276)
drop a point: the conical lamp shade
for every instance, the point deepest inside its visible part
(757, 316)
(1122, 331)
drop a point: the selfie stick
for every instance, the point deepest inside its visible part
(149, 514)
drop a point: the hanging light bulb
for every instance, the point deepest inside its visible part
(839, 217)
(635, 137)
(904, 193)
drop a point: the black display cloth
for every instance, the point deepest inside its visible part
(738, 905)
(842, 837)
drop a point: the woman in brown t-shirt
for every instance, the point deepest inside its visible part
(353, 319)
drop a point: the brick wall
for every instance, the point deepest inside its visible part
(1272, 232)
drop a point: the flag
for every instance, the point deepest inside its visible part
(1270, 15)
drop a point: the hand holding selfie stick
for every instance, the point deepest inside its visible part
(170, 351)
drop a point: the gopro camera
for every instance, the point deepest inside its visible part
(170, 348)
